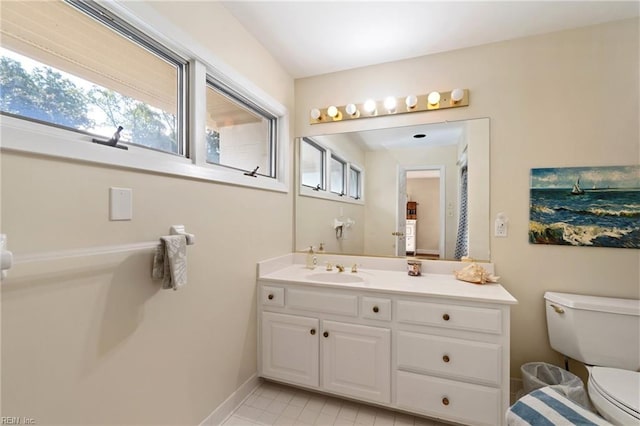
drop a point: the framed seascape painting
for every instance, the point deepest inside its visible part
(585, 206)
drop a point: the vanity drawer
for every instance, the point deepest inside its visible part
(323, 301)
(454, 358)
(451, 400)
(272, 296)
(485, 320)
(376, 308)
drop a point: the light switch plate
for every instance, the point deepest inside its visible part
(120, 204)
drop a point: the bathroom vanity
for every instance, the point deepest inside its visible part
(430, 345)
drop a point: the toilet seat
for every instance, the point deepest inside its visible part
(615, 393)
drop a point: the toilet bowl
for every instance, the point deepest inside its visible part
(615, 393)
(604, 334)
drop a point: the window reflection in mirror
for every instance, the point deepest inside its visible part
(311, 164)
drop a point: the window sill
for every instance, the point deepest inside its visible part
(23, 136)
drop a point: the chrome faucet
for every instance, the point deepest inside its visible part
(340, 268)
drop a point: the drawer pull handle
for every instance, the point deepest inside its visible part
(325, 334)
(445, 358)
(313, 331)
(446, 317)
(270, 297)
(445, 401)
(376, 309)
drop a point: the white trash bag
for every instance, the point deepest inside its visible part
(536, 375)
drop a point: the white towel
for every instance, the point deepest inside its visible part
(548, 407)
(170, 261)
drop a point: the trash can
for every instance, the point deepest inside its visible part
(536, 375)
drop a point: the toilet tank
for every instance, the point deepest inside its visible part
(600, 331)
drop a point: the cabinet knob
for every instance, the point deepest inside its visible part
(445, 401)
(445, 358)
(376, 309)
(325, 334)
(313, 331)
(446, 317)
(270, 297)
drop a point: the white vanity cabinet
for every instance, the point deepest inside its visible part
(290, 348)
(432, 346)
(353, 359)
(356, 361)
(452, 360)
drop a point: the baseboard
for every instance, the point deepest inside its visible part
(224, 410)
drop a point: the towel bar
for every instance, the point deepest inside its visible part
(8, 259)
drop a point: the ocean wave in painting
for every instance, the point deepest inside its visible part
(582, 235)
(601, 218)
(596, 211)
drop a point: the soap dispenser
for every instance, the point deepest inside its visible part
(312, 261)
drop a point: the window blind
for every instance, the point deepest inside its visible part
(57, 34)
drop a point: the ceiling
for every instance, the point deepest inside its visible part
(317, 37)
(435, 134)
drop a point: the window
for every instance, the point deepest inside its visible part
(312, 164)
(337, 177)
(75, 65)
(325, 174)
(239, 134)
(73, 71)
(355, 186)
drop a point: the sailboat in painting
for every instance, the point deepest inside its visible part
(576, 190)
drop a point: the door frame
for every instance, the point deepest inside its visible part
(401, 214)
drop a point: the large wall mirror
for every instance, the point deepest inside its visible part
(408, 191)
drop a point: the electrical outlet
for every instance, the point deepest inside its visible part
(501, 226)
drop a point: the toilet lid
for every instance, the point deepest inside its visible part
(623, 386)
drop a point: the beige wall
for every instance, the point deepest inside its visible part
(94, 340)
(544, 98)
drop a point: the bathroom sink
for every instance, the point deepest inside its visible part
(335, 277)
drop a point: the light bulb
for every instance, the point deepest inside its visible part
(411, 101)
(351, 109)
(370, 106)
(314, 114)
(390, 104)
(433, 98)
(332, 111)
(457, 95)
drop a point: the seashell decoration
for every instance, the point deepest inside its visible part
(476, 274)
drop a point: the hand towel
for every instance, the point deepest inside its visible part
(170, 262)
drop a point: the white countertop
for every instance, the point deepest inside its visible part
(389, 281)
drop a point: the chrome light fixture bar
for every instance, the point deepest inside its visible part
(390, 106)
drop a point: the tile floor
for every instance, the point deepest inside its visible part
(275, 404)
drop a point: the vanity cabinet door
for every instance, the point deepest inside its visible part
(356, 360)
(290, 348)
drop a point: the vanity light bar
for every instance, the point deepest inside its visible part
(390, 106)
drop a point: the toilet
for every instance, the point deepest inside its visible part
(604, 334)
